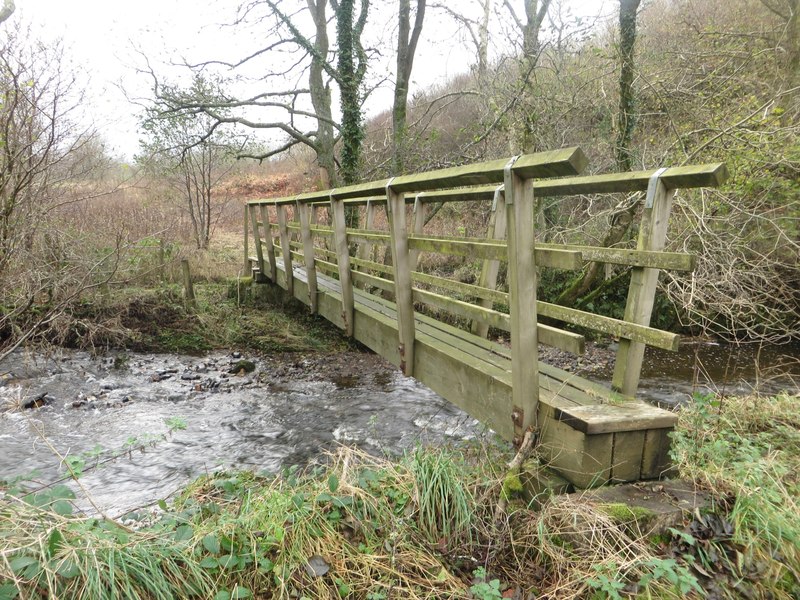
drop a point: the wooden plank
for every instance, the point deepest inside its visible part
(491, 268)
(710, 175)
(285, 248)
(642, 288)
(611, 326)
(273, 269)
(545, 257)
(610, 418)
(396, 212)
(304, 212)
(257, 243)
(522, 301)
(343, 261)
(626, 458)
(673, 261)
(656, 461)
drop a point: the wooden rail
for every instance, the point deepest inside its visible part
(590, 432)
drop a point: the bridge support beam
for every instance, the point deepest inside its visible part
(491, 267)
(398, 231)
(304, 211)
(343, 260)
(286, 249)
(520, 210)
(273, 265)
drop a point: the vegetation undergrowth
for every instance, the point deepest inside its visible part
(423, 526)
(225, 315)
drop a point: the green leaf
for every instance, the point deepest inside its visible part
(240, 592)
(228, 561)
(209, 562)
(54, 542)
(297, 500)
(68, 569)
(333, 483)
(211, 543)
(62, 507)
(8, 591)
(19, 563)
(162, 504)
(183, 533)
(222, 595)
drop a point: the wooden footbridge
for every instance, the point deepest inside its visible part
(591, 433)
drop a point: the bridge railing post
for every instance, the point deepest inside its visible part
(343, 260)
(286, 248)
(257, 243)
(520, 213)
(420, 213)
(304, 213)
(273, 266)
(246, 267)
(642, 289)
(491, 268)
(398, 233)
(364, 251)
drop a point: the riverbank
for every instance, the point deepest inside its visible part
(423, 526)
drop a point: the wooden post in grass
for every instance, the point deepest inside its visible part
(188, 287)
(522, 301)
(162, 259)
(398, 231)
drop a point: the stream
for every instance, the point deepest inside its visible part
(283, 413)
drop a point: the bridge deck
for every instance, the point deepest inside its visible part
(588, 433)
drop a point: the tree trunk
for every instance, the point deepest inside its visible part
(321, 97)
(406, 48)
(7, 10)
(622, 219)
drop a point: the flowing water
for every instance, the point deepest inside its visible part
(252, 421)
(283, 413)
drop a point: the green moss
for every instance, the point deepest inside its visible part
(622, 513)
(512, 485)
(248, 366)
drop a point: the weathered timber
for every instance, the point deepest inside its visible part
(418, 215)
(396, 212)
(273, 269)
(285, 248)
(343, 262)
(247, 264)
(257, 242)
(642, 288)
(522, 302)
(304, 212)
(491, 268)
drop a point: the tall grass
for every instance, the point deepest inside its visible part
(421, 527)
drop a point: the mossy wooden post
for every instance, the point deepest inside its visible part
(286, 249)
(304, 211)
(642, 289)
(343, 262)
(246, 265)
(419, 212)
(398, 231)
(162, 259)
(520, 213)
(257, 243)
(273, 265)
(188, 287)
(496, 231)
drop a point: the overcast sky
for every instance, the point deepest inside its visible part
(101, 37)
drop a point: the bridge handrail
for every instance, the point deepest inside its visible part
(693, 176)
